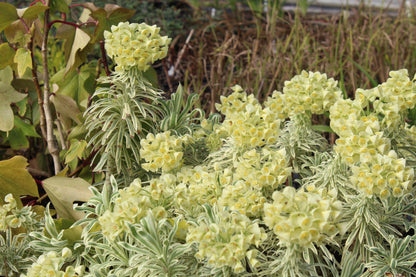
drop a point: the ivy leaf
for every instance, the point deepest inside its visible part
(15, 179)
(76, 150)
(8, 14)
(66, 106)
(63, 191)
(16, 32)
(7, 55)
(8, 95)
(17, 139)
(59, 6)
(27, 129)
(109, 15)
(81, 40)
(23, 60)
(32, 12)
(75, 84)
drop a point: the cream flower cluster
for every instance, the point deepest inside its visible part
(244, 198)
(303, 218)
(225, 240)
(362, 148)
(362, 126)
(246, 123)
(163, 151)
(264, 168)
(348, 118)
(11, 216)
(135, 45)
(133, 203)
(50, 264)
(383, 175)
(308, 92)
(200, 185)
(392, 98)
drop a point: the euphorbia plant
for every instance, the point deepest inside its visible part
(216, 197)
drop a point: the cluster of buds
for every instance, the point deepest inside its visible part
(392, 98)
(382, 176)
(308, 92)
(163, 151)
(224, 239)
(303, 218)
(13, 217)
(265, 168)
(132, 204)
(246, 123)
(200, 185)
(364, 124)
(244, 198)
(50, 264)
(135, 45)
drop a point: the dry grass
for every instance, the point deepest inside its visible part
(358, 49)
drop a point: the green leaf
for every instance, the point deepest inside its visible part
(109, 15)
(15, 179)
(81, 40)
(59, 6)
(16, 33)
(22, 106)
(76, 150)
(74, 84)
(24, 84)
(23, 60)
(72, 234)
(7, 55)
(78, 132)
(17, 139)
(8, 95)
(6, 75)
(27, 129)
(151, 76)
(32, 12)
(66, 106)
(322, 128)
(63, 191)
(8, 14)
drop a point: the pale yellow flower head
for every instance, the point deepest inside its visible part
(162, 152)
(303, 218)
(226, 240)
(135, 45)
(52, 263)
(309, 92)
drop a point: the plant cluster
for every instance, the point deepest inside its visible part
(255, 190)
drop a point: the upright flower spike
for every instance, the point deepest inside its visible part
(135, 45)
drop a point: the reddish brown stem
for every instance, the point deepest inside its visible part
(63, 22)
(38, 91)
(104, 54)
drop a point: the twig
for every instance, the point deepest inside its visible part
(38, 172)
(178, 60)
(40, 199)
(51, 140)
(60, 133)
